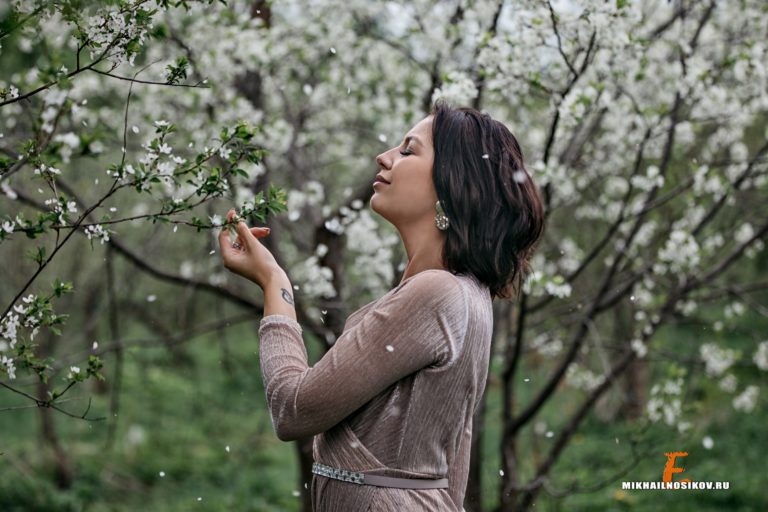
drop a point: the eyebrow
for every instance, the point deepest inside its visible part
(415, 138)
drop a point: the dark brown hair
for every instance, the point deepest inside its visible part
(495, 211)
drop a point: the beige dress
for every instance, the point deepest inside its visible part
(394, 395)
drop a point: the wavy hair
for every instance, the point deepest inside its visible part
(495, 211)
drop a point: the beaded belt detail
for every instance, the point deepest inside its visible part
(339, 474)
(358, 477)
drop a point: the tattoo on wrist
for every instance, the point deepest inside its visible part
(287, 296)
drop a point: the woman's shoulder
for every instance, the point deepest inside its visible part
(432, 288)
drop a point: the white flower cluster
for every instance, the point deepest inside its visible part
(651, 179)
(9, 331)
(728, 383)
(546, 345)
(640, 348)
(44, 170)
(558, 288)
(69, 142)
(583, 378)
(97, 231)
(72, 371)
(571, 255)
(54, 99)
(12, 322)
(665, 401)
(372, 248)
(62, 207)
(12, 91)
(746, 401)
(112, 26)
(458, 89)
(6, 363)
(313, 194)
(734, 309)
(704, 184)
(681, 252)
(744, 233)
(761, 356)
(316, 280)
(575, 104)
(716, 360)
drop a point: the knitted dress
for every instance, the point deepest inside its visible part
(393, 396)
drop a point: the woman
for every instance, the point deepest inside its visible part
(391, 403)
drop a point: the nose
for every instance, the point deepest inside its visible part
(383, 161)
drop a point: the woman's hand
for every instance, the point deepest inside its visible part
(251, 259)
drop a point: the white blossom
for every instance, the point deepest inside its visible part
(746, 401)
(761, 356)
(10, 368)
(640, 348)
(716, 359)
(744, 233)
(664, 403)
(728, 383)
(97, 231)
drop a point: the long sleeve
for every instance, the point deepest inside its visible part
(418, 325)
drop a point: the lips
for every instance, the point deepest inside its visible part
(379, 179)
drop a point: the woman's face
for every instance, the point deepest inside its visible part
(410, 196)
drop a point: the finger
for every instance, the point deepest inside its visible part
(224, 244)
(244, 234)
(222, 236)
(260, 232)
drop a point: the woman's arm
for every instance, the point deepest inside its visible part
(421, 324)
(278, 296)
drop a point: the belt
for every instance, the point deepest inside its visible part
(358, 477)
